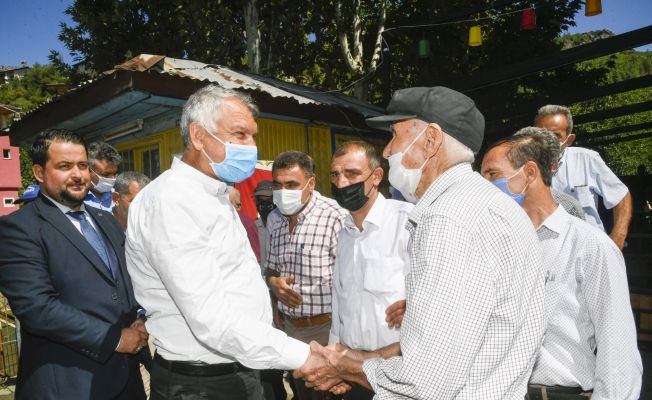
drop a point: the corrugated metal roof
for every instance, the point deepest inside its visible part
(231, 79)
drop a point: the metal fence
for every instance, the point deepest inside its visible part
(8, 341)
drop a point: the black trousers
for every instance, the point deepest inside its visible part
(135, 390)
(168, 385)
(359, 393)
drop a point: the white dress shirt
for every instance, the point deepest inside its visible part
(584, 175)
(587, 305)
(475, 315)
(65, 209)
(193, 270)
(369, 275)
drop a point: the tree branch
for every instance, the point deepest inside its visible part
(253, 36)
(344, 40)
(379, 37)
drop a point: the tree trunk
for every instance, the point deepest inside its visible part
(253, 36)
(354, 58)
(361, 89)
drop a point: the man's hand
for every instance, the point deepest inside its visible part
(318, 370)
(132, 339)
(395, 314)
(341, 388)
(139, 324)
(280, 285)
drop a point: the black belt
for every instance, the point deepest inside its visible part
(541, 392)
(191, 368)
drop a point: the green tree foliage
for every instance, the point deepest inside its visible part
(28, 93)
(299, 40)
(624, 158)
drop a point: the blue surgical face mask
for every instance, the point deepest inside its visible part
(503, 185)
(239, 162)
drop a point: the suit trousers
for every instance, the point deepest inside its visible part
(168, 385)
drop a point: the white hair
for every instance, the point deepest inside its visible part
(205, 106)
(456, 151)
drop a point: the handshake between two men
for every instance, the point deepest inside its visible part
(336, 368)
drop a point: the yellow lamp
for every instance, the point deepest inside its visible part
(475, 36)
(593, 7)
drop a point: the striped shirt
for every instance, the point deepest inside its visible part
(475, 314)
(308, 253)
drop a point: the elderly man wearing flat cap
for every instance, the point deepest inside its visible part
(474, 319)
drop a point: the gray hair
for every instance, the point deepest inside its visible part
(553, 109)
(103, 151)
(205, 106)
(533, 144)
(123, 180)
(456, 151)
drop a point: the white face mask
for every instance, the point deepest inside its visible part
(103, 185)
(288, 201)
(403, 179)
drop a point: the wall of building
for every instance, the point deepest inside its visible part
(274, 137)
(9, 175)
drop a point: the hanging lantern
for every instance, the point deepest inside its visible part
(475, 36)
(528, 19)
(593, 7)
(424, 48)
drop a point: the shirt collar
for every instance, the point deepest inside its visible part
(211, 185)
(374, 217)
(64, 208)
(555, 221)
(437, 188)
(311, 205)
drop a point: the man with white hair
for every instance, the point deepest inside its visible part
(193, 269)
(474, 317)
(584, 175)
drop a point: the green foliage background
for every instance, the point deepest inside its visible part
(624, 158)
(28, 93)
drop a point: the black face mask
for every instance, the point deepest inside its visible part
(264, 208)
(351, 197)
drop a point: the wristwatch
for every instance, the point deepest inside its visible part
(141, 314)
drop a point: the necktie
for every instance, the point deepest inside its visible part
(94, 239)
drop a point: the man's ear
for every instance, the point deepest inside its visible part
(378, 176)
(38, 172)
(570, 139)
(115, 196)
(531, 170)
(434, 136)
(195, 136)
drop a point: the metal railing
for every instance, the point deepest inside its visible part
(8, 342)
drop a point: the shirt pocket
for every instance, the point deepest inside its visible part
(584, 196)
(316, 264)
(383, 276)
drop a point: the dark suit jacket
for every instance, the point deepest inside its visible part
(70, 307)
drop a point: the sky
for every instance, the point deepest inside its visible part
(29, 28)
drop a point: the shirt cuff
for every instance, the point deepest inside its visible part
(296, 354)
(369, 367)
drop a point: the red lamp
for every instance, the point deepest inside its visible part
(528, 19)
